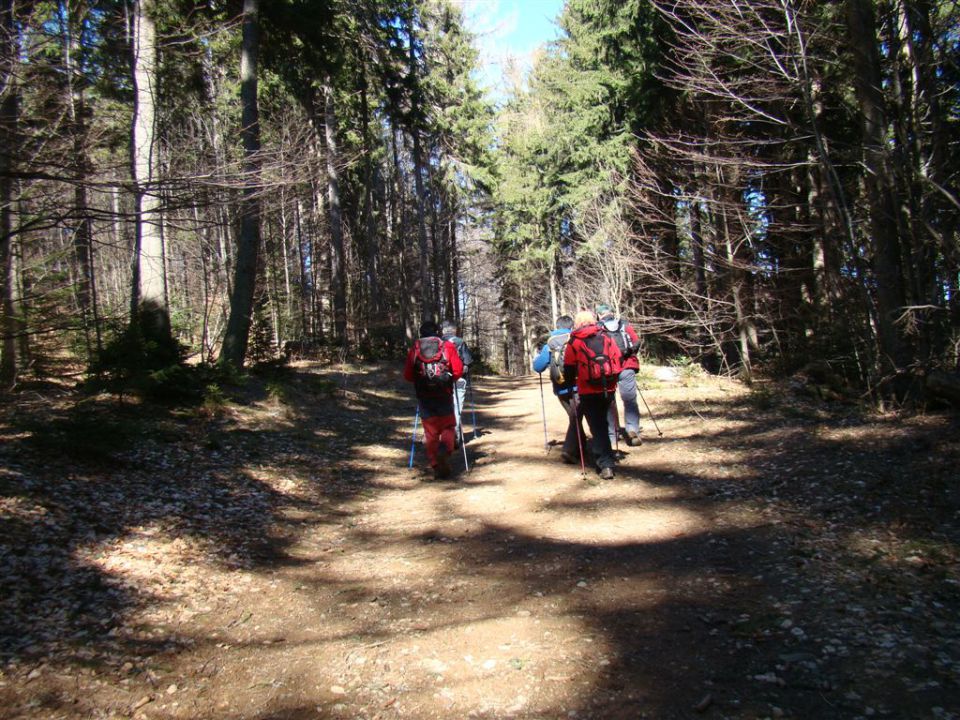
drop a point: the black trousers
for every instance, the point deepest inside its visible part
(572, 445)
(595, 408)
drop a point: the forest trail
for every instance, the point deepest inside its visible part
(725, 571)
(495, 594)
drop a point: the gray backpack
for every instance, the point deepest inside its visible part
(618, 331)
(557, 345)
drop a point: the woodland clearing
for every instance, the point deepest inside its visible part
(274, 557)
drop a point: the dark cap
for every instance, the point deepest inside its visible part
(603, 310)
(428, 328)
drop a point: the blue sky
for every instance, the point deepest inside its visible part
(508, 33)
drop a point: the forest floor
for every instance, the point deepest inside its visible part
(274, 557)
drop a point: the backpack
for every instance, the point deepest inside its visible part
(618, 331)
(431, 369)
(466, 357)
(557, 345)
(600, 359)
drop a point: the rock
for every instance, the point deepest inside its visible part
(704, 703)
(434, 666)
(798, 657)
(665, 374)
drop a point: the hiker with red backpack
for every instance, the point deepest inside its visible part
(551, 357)
(592, 360)
(629, 344)
(433, 366)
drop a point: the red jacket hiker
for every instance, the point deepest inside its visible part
(435, 402)
(456, 369)
(576, 362)
(596, 382)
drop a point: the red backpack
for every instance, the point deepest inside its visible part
(431, 369)
(599, 359)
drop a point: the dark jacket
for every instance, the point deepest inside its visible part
(631, 362)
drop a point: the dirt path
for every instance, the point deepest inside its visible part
(723, 573)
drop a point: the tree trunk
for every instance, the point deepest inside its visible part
(148, 305)
(248, 243)
(524, 329)
(398, 224)
(887, 260)
(9, 109)
(554, 301)
(372, 268)
(338, 264)
(454, 270)
(304, 274)
(287, 287)
(82, 234)
(428, 305)
(940, 198)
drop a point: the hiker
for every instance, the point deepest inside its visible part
(433, 366)
(629, 344)
(551, 356)
(449, 333)
(592, 361)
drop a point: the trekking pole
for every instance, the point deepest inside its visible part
(543, 410)
(659, 433)
(473, 408)
(413, 440)
(463, 444)
(576, 418)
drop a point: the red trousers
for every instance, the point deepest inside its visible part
(438, 429)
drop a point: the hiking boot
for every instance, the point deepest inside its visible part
(633, 438)
(568, 457)
(606, 473)
(442, 469)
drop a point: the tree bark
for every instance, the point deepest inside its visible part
(148, 305)
(304, 275)
(887, 260)
(237, 335)
(554, 302)
(455, 270)
(372, 269)
(338, 264)
(428, 304)
(82, 234)
(9, 110)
